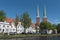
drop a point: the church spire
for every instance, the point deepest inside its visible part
(44, 12)
(37, 14)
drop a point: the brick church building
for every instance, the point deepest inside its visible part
(38, 16)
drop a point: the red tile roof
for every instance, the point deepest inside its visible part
(32, 24)
(9, 20)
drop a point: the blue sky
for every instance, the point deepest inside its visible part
(11, 7)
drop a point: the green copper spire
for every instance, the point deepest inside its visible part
(44, 12)
(37, 13)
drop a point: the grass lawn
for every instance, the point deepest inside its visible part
(27, 35)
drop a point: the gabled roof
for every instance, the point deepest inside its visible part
(9, 20)
(32, 24)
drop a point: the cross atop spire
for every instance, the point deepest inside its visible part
(37, 13)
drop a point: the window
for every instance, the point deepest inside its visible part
(0, 25)
(13, 29)
(17, 30)
(6, 29)
(10, 29)
(0, 29)
(7, 26)
(3, 25)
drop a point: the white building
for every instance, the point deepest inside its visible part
(49, 31)
(1, 27)
(10, 28)
(7, 27)
(32, 29)
(20, 28)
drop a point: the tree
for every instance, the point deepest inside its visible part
(58, 28)
(45, 25)
(53, 26)
(2, 15)
(25, 19)
(16, 19)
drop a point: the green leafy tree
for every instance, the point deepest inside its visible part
(16, 19)
(58, 28)
(53, 26)
(25, 19)
(2, 15)
(45, 25)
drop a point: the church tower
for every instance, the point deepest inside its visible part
(37, 16)
(44, 14)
